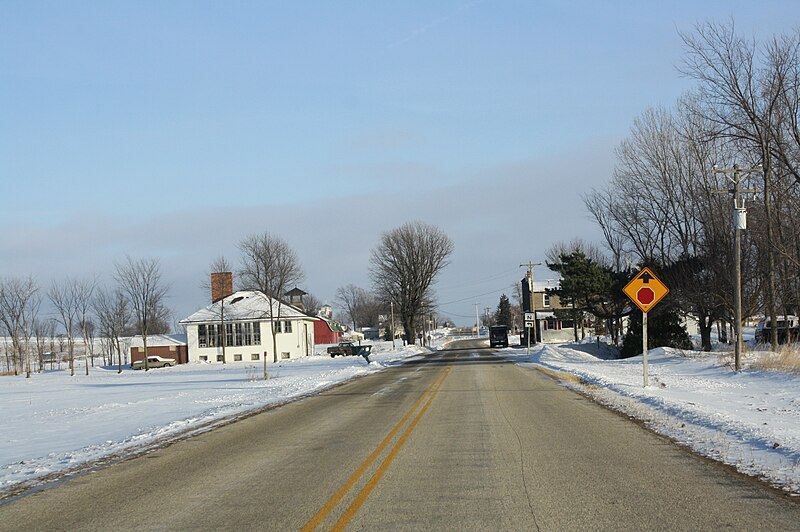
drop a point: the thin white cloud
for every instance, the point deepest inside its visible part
(427, 26)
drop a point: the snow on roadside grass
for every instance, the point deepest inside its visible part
(53, 423)
(750, 420)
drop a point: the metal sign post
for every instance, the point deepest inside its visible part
(644, 346)
(528, 337)
(529, 322)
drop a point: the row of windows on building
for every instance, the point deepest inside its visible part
(236, 334)
(238, 357)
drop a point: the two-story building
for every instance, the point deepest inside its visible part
(549, 327)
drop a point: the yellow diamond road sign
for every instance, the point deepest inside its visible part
(645, 289)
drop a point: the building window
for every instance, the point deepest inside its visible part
(239, 334)
(286, 355)
(237, 358)
(287, 326)
(203, 358)
(208, 335)
(247, 332)
(255, 356)
(229, 334)
(220, 358)
(236, 334)
(546, 300)
(202, 336)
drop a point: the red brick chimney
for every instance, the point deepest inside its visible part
(221, 285)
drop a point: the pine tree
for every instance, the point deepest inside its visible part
(503, 314)
(584, 285)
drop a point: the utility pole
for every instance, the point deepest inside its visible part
(739, 224)
(391, 305)
(477, 322)
(532, 302)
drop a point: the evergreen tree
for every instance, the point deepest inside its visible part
(503, 314)
(584, 285)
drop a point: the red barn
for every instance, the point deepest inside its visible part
(327, 331)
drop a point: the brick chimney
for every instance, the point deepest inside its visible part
(221, 285)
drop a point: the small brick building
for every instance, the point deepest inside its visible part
(162, 345)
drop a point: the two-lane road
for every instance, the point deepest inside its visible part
(460, 440)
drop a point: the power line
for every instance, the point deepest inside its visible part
(482, 280)
(510, 287)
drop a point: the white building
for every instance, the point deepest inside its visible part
(245, 316)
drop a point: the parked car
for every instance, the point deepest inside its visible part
(154, 362)
(788, 329)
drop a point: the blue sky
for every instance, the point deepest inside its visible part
(175, 129)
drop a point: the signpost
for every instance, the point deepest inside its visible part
(530, 321)
(645, 290)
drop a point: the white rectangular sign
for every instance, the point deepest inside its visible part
(529, 317)
(528, 324)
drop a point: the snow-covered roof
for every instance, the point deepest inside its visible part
(245, 305)
(541, 286)
(159, 340)
(334, 325)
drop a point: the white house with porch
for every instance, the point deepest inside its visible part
(245, 322)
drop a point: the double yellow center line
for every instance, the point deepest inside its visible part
(362, 496)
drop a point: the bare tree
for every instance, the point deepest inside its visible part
(312, 304)
(114, 315)
(140, 281)
(64, 298)
(84, 292)
(43, 331)
(744, 105)
(404, 267)
(268, 264)
(351, 299)
(18, 306)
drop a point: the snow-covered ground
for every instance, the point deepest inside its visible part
(53, 423)
(750, 419)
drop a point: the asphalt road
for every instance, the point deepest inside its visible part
(461, 440)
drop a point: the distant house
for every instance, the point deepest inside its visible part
(162, 345)
(370, 333)
(243, 318)
(549, 327)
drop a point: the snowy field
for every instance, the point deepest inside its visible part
(53, 423)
